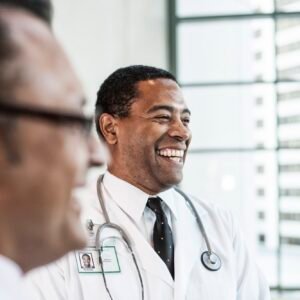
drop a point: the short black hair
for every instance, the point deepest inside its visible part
(116, 93)
(40, 8)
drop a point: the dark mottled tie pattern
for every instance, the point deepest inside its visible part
(162, 234)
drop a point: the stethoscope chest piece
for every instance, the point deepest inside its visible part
(211, 261)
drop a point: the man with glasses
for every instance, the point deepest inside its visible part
(44, 149)
(40, 8)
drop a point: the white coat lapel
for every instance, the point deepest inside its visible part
(189, 243)
(147, 257)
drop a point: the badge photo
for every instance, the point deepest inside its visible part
(86, 261)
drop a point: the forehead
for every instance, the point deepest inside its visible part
(159, 92)
(41, 72)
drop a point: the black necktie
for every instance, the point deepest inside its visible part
(162, 234)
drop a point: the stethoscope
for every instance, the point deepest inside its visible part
(209, 259)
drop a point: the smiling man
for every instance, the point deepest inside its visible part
(142, 116)
(148, 145)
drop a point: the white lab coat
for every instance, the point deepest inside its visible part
(238, 279)
(11, 280)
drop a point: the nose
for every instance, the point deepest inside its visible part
(180, 131)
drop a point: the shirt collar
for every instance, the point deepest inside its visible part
(12, 271)
(131, 199)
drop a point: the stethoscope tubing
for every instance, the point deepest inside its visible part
(209, 259)
(124, 235)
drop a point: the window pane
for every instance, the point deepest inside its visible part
(289, 115)
(288, 5)
(285, 295)
(232, 181)
(289, 190)
(288, 48)
(227, 117)
(226, 51)
(217, 7)
(290, 263)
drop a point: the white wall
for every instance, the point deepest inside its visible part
(103, 35)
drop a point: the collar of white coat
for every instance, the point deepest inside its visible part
(10, 273)
(131, 199)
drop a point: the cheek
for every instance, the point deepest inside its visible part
(55, 157)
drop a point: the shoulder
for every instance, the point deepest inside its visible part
(212, 213)
(204, 206)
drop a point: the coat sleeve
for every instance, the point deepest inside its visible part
(251, 283)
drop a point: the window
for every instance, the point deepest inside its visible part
(289, 120)
(260, 169)
(289, 95)
(288, 216)
(290, 240)
(289, 73)
(287, 23)
(259, 101)
(289, 144)
(290, 192)
(238, 67)
(289, 47)
(289, 168)
(257, 33)
(261, 238)
(259, 123)
(258, 56)
(260, 192)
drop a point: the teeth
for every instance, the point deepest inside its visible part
(172, 153)
(177, 159)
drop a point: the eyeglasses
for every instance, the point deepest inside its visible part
(64, 118)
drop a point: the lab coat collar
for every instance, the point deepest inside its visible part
(131, 199)
(146, 256)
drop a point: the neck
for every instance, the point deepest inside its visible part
(14, 243)
(8, 247)
(146, 186)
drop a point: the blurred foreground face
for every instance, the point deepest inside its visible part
(42, 216)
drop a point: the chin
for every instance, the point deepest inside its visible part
(171, 181)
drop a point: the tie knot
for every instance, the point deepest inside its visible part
(154, 203)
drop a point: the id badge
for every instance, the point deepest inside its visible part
(88, 260)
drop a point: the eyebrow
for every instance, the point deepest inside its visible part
(166, 107)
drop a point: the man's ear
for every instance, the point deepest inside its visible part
(109, 127)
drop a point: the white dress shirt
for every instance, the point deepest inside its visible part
(10, 280)
(134, 204)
